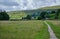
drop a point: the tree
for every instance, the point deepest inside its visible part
(43, 15)
(39, 18)
(4, 15)
(57, 14)
(28, 17)
(52, 12)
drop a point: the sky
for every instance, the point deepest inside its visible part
(11, 5)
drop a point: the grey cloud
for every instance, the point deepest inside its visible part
(26, 4)
(8, 3)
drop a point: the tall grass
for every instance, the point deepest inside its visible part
(23, 30)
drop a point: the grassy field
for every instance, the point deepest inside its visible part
(16, 15)
(23, 30)
(55, 25)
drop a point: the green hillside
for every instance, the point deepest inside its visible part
(51, 7)
(20, 14)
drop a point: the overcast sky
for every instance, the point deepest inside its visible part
(10, 5)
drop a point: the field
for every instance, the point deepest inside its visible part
(55, 25)
(16, 15)
(23, 30)
(28, 29)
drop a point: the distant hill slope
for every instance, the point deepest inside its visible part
(51, 7)
(16, 14)
(20, 14)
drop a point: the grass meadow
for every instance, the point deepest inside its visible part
(16, 15)
(55, 25)
(23, 30)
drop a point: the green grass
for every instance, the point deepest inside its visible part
(16, 15)
(23, 30)
(51, 7)
(55, 25)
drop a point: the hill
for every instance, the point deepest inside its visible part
(51, 7)
(20, 14)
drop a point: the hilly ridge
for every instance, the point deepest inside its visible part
(51, 7)
(20, 14)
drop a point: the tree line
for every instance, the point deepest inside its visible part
(39, 16)
(44, 15)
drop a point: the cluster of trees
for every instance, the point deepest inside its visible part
(28, 17)
(44, 15)
(41, 16)
(57, 14)
(4, 15)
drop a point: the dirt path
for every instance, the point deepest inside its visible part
(52, 35)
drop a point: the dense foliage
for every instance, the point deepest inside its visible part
(38, 14)
(4, 15)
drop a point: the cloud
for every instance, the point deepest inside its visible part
(26, 4)
(8, 3)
